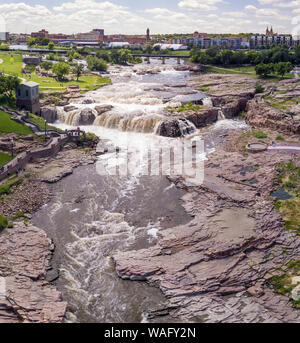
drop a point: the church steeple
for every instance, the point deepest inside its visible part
(267, 31)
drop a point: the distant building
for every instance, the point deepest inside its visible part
(148, 38)
(4, 36)
(43, 34)
(118, 44)
(97, 35)
(28, 97)
(176, 47)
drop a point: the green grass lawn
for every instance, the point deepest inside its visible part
(40, 122)
(12, 64)
(8, 126)
(4, 158)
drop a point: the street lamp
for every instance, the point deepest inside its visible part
(45, 130)
(12, 148)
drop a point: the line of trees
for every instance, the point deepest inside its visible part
(280, 68)
(216, 56)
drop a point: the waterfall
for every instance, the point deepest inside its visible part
(186, 127)
(207, 102)
(221, 115)
(136, 124)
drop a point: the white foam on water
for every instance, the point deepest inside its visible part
(2, 287)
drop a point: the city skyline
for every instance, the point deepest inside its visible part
(164, 16)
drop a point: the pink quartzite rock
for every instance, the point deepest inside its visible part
(25, 253)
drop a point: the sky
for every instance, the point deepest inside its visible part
(161, 16)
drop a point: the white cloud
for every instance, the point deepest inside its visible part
(208, 5)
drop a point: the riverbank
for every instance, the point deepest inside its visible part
(26, 271)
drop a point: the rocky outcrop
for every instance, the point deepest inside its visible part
(217, 267)
(103, 108)
(260, 115)
(86, 117)
(26, 297)
(203, 118)
(49, 113)
(70, 108)
(177, 127)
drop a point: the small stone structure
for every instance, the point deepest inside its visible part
(257, 147)
(28, 97)
(32, 60)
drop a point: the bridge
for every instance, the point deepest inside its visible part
(163, 57)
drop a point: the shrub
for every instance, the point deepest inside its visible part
(259, 134)
(279, 138)
(259, 89)
(3, 223)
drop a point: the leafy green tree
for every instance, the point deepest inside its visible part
(31, 41)
(283, 68)
(51, 46)
(8, 85)
(297, 54)
(46, 65)
(95, 63)
(61, 69)
(78, 70)
(264, 69)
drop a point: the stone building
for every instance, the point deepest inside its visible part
(28, 97)
(28, 59)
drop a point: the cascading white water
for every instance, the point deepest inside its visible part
(138, 100)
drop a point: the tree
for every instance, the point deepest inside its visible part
(31, 41)
(61, 69)
(95, 63)
(282, 68)
(8, 85)
(51, 46)
(264, 69)
(46, 65)
(78, 70)
(297, 54)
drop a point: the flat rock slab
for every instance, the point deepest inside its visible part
(25, 253)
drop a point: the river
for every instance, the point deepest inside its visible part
(92, 215)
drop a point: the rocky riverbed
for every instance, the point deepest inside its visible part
(216, 268)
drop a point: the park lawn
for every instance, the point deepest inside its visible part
(180, 53)
(4, 159)
(87, 82)
(12, 63)
(40, 122)
(9, 126)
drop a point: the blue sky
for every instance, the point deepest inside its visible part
(161, 16)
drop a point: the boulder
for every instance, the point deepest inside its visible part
(88, 101)
(103, 108)
(87, 117)
(203, 118)
(49, 113)
(70, 108)
(175, 128)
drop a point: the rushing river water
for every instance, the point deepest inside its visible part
(91, 216)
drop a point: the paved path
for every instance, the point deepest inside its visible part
(288, 149)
